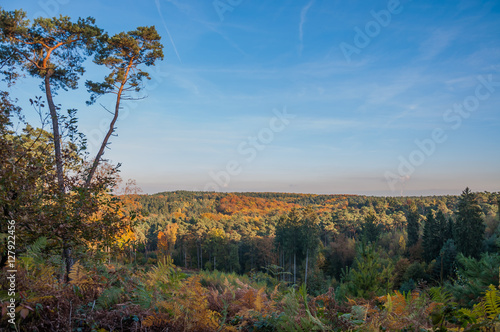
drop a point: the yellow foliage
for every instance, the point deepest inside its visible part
(125, 237)
(217, 233)
(188, 308)
(167, 238)
(401, 311)
(79, 277)
(155, 320)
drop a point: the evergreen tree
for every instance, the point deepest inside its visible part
(442, 229)
(413, 226)
(52, 49)
(469, 226)
(369, 276)
(430, 238)
(287, 240)
(449, 228)
(370, 228)
(445, 262)
(310, 237)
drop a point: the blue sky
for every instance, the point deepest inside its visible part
(380, 97)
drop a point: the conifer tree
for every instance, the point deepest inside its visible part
(370, 228)
(442, 225)
(310, 236)
(413, 226)
(52, 49)
(123, 54)
(469, 226)
(430, 237)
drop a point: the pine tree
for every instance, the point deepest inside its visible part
(430, 237)
(445, 262)
(413, 226)
(368, 276)
(449, 228)
(310, 236)
(370, 228)
(469, 226)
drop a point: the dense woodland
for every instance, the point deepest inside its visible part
(90, 253)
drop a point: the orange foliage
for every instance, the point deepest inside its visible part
(187, 310)
(167, 238)
(400, 311)
(242, 300)
(232, 204)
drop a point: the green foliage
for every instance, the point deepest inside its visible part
(369, 276)
(166, 276)
(143, 297)
(413, 226)
(219, 279)
(33, 255)
(370, 228)
(492, 303)
(485, 315)
(474, 276)
(294, 319)
(446, 262)
(431, 240)
(446, 308)
(469, 226)
(416, 271)
(109, 298)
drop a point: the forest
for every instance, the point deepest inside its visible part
(83, 250)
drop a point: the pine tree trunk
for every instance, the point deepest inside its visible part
(67, 260)
(201, 258)
(57, 136)
(198, 252)
(307, 261)
(66, 254)
(294, 268)
(185, 256)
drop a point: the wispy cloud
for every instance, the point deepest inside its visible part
(214, 28)
(183, 7)
(332, 124)
(158, 6)
(439, 41)
(303, 14)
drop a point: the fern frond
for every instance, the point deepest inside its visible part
(78, 277)
(109, 298)
(492, 303)
(33, 254)
(77, 274)
(155, 320)
(143, 297)
(439, 295)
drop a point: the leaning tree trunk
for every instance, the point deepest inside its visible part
(66, 251)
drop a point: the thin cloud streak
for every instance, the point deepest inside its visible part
(303, 14)
(157, 2)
